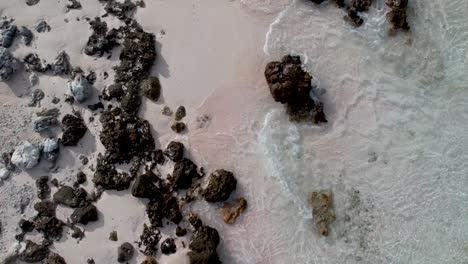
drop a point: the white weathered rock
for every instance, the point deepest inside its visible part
(49, 145)
(26, 156)
(4, 173)
(80, 88)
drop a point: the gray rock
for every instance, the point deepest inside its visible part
(32, 2)
(42, 26)
(9, 65)
(45, 123)
(8, 36)
(61, 65)
(27, 35)
(80, 88)
(50, 148)
(33, 79)
(26, 156)
(36, 97)
(4, 173)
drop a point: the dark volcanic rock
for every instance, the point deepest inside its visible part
(180, 232)
(149, 260)
(81, 177)
(163, 206)
(125, 136)
(171, 209)
(168, 246)
(33, 252)
(151, 88)
(74, 129)
(195, 221)
(61, 65)
(147, 185)
(26, 225)
(27, 35)
(32, 2)
(8, 36)
(68, 196)
(101, 41)
(175, 151)
(178, 127)
(125, 252)
(203, 246)
(34, 63)
(149, 240)
(353, 17)
(43, 189)
(85, 214)
(96, 106)
(397, 15)
(361, 5)
(45, 208)
(119, 9)
(220, 186)
(180, 113)
(113, 91)
(183, 173)
(159, 157)
(50, 227)
(54, 258)
(289, 84)
(109, 178)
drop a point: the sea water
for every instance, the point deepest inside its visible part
(395, 150)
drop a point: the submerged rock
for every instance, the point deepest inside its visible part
(84, 215)
(26, 156)
(168, 246)
(125, 252)
(178, 127)
(9, 65)
(397, 15)
(203, 246)
(289, 84)
(80, 88)
(74, 129)
(323, 213)
(33, 252)
(151, 88)
(220, 186)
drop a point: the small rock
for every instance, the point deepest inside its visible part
(42, 26)
(85, 214)
(84, 160)
(35, 64)
(68, 196)
(32, 2)
(175, 151)
(54, 258)
(26, 156)
(178, 127)
(43, 189)
(73, 4)
(322, 210)
(166, 111)
(4, 173)
(33, 79)
(50, 148)
(147, 185)
(77, 233)
(180, 113)
(96, 106)
(168, 246)
(26, 225)
(27, 35)
(45, 123)
(61, 65)
(80, 88)
(232, 211)
(45, 208)
(33, 252)
(125, 252)
(195, 221)
(56, 100)
(180, 232)
(114, 91)
(203, 245)
(8, 36)
(9, 65)
(113, 236)
(159, 157)
(151, 87)
(36, 97)
(149, 260)
(183, 173)
(149, 240)
(220, 186)
(81, 177)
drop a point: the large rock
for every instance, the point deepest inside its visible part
(175, 151)
(74, 129)
(220, 186)
(84, 215)
(203, 246)
(147, 185)
(183, 173)
(151, 88)
(291, 85)
(26, 156)
(68, 196)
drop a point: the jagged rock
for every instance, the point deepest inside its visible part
(45, 208)
(61, 65)
(361, 5)
(323, 213)
(149, 240)
(42, 26)
(220, 186)
(43, 189)
(149, 260)
(289, 84)
(77, 233)
(34, 63)
(161, 206)
(26, 225)
(54, 258)
(168, 246)
(353, 17)
(84, 215)
(33, 79)
(113, 91)
(80, 88)
(195, 221)
(119, 9)
(27, 35)
(74, 129)
(50, 227)
(183, 173)
(33, 252)
(147, 185)
(180, 232)
(175, 151)
(26, 156)
(125, 252)
(159, 157)
(108, 178)
(180, 113)
(101, 41)
(80, 177)
(8, 36)
(8, 64)
(36, 97)
(151, 88)
(203, 246)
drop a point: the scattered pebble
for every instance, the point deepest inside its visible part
(151, 88)
(32, 2)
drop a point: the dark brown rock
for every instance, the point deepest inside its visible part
(74, 129)
(149, 260)
(101, 40)
(125, 252)
(183, 173)
(203, 246)
(220, 186)
(26, 225)
(232, 211)
(361, 5)
(81, 177)
(43, 188)
(68, 196)
(178, 127)
(45, 208)
(50, 227)
(397, 15)
(180, 113)
(54, 258)
(175, 151)
(147, 185)
(180, 232)
(113, 236)
(151, 88)
(33, 252)
(353, 17)
(291, 85)
(107, 177)
(168, 246)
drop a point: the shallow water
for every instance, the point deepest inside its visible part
(394, 152)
